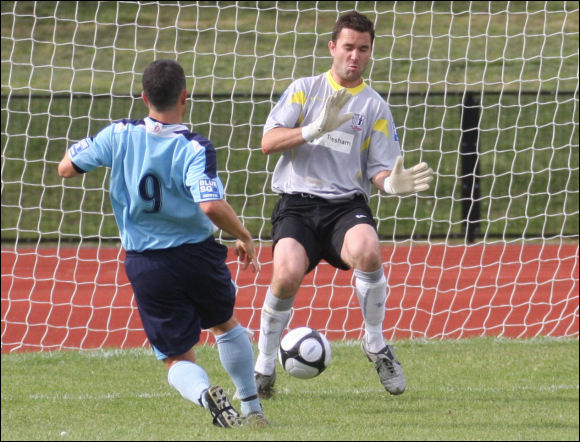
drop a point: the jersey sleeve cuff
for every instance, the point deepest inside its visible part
(78, 169)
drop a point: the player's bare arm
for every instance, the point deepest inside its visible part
(379, 179)
(282, 139)
(66, 168)
(223, 216)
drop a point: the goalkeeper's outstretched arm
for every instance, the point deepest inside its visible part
(281, 139)
(401, 181)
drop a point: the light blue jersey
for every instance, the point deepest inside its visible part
(159, 174)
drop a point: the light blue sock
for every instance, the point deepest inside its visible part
(237, 357)
(189, 379)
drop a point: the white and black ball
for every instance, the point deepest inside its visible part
(304, 352)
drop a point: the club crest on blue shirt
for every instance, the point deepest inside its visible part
(357, 122)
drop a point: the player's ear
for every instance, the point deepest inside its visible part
(331, 47)
(183, 96)
(145, 100)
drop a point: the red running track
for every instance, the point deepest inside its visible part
(80, 298)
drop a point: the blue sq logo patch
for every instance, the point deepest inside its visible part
(208, 189)
(77, 148)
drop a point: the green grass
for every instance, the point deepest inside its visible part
(471, 389)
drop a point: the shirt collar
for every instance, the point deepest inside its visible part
(334, 85)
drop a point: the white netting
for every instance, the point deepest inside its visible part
(485, 92)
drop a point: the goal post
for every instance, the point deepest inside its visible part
(485, 92)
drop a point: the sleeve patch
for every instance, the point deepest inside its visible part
(77, 148)
(208, 189)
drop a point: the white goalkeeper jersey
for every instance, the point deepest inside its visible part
(339, 164)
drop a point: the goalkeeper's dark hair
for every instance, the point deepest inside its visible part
(163, 81)
(355, 21)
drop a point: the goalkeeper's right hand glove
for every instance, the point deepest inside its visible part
(330, 118)
(402, 181)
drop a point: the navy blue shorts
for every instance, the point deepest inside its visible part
(181, 290)
(319, 225)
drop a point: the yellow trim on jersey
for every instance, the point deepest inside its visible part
(366, 144)
(299, 97)
(337, 87)
(379, 126)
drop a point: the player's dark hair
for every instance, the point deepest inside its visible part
(163, 81)
(355, 21)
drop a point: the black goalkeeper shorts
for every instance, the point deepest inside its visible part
(319, 225)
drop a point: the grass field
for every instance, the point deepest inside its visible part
(470, 389)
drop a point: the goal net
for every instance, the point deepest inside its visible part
(485, 92)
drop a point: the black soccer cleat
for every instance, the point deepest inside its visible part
(224, 415)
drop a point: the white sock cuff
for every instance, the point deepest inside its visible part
(374, 277)
(273, 303)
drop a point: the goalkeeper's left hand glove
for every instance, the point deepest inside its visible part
(330, 118)
(402, 181)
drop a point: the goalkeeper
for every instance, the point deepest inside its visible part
(164, 191)
(336, 137)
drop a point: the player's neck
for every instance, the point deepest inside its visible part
(168, 117)
(344, 82)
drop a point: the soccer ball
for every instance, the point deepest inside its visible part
(304, 352)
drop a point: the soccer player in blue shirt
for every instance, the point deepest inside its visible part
(167, 197)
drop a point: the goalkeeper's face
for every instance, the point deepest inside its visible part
(351, 53)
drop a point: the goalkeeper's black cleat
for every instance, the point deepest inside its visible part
(224, 415)
(389, 369)
(265, 384)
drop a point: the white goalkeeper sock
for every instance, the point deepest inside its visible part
(189, 379)
(274, 318)
(371, 290)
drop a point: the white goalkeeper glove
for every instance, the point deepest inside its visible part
(402, 181)
(330, 118)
